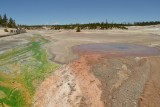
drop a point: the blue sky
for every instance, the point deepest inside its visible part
(80, 11)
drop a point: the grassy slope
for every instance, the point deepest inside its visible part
(21, 71)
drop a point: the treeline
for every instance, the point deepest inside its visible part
(146, 23)
(98, 25)
(102, 26)
(5, 22)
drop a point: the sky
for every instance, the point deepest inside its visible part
(33, 12)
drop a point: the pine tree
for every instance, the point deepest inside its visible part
(11, 23)
(0, 20)
(14, 23)
(5, 21)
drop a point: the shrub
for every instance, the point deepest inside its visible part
(78, 29)
(5, 30)
(11, 31)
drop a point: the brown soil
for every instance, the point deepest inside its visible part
(151, 94)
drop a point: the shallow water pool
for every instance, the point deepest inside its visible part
(117, 49)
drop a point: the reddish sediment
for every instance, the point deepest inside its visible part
(88, 83)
